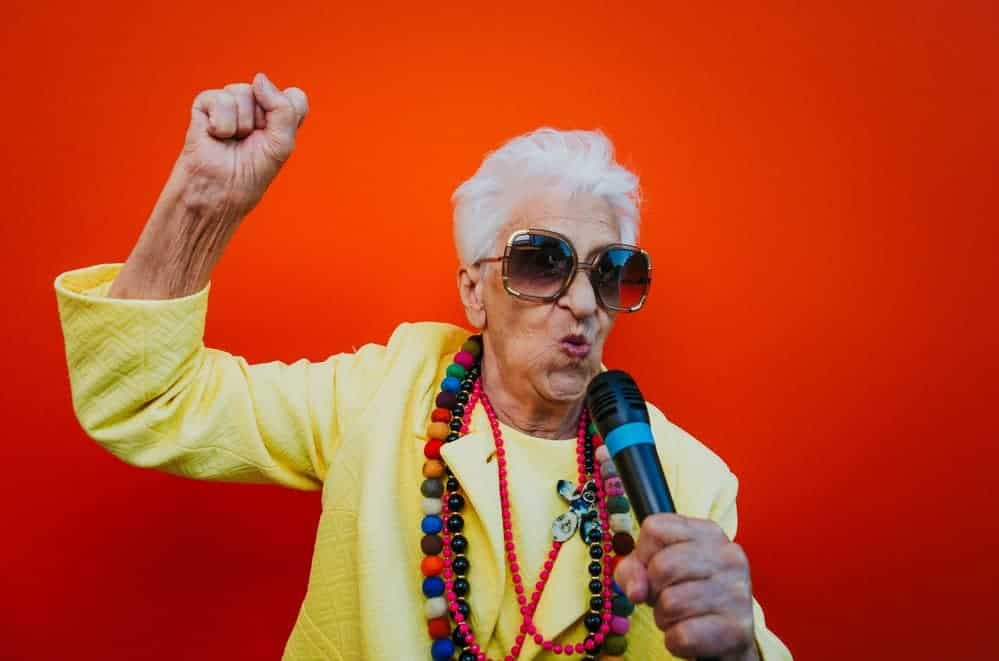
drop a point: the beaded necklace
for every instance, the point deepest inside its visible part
(597, 508)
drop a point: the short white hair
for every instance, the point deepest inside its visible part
(546, 159)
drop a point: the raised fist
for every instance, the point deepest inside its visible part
(238, 139)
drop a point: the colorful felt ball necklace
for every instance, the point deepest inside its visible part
(597, 509)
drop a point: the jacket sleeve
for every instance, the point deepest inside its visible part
(146, 388)
(723, 511)
(703, 486)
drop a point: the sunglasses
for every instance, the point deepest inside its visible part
(539, 265)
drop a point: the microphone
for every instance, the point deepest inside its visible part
(620, 415)
(622, 418)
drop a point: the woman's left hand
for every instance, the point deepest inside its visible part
(697, 580)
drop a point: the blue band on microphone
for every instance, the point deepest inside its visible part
(631, 433)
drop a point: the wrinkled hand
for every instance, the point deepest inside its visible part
(238, 138)
(697, 580)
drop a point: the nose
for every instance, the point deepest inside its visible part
(579, 298)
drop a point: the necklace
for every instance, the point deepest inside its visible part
(597, 509)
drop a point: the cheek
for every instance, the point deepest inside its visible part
(605, 323)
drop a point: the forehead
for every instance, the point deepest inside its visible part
(587, 220)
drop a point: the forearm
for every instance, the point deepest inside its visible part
(181, 243)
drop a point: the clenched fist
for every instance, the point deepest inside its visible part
(238, 139)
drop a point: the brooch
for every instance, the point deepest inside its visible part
(582, 514)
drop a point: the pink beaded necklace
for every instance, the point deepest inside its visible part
(461, 391)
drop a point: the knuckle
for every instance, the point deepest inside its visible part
(657, 526)
(733, 557)
(671, 602)
(661, 568)
(624, 569)
(280, 151)
(205, 98)
(738, 592)
(710, 529)
(681, 640)
(736, 634)
(226, 99)
(662, 619)
(664, 602)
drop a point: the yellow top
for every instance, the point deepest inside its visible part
(353, 426)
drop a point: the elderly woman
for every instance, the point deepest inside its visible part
(443, 457)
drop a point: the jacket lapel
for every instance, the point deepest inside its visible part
(468, 458)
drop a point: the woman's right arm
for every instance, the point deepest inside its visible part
(144, 385)
(237, 140)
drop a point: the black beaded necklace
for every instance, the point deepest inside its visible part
(445, 566)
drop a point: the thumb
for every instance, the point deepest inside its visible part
(281, 118)
(633, 578)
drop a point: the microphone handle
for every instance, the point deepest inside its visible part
(645, 483)
(643, 479)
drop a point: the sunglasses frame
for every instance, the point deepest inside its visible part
(576, 267)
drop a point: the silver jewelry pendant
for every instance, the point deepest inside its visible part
(565, 526)
(582, 514)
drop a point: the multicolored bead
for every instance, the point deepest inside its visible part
(614, 486)
(432, 565)
(431, 544)
(442, 649)
(432, 488)
(623, 543)
(615, 645)
(622, 606)
(439, 627)
(433, 586)
(465, 359)
(621, 522)
(435, 607)
(431, 525)
(618, 505)
(433, 468)
(620, 625)
(432, 450)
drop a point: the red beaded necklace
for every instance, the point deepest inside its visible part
(590, 502)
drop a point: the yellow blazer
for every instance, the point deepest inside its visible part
(353, 426)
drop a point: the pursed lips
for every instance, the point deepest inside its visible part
(575, 346)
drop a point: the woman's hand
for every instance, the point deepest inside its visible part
(237, 141)
(697, 580)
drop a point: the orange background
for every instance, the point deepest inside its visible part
(821, 207)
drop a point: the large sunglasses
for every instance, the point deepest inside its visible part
(539, 265)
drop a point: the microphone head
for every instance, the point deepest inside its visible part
(614, 399)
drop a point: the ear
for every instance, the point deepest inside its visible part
(470, 289)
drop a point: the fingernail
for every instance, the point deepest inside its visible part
(268, 85)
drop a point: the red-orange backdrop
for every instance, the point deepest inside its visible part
(820, 187)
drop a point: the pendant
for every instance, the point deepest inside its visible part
(582, 514)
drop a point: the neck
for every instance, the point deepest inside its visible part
(528, 412)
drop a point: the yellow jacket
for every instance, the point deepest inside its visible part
(353, 426)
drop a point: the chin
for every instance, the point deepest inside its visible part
(569, 383)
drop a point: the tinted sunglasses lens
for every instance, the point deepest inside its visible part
(538, 265)
(622, 278)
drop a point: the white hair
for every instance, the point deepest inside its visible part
(546, 159)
